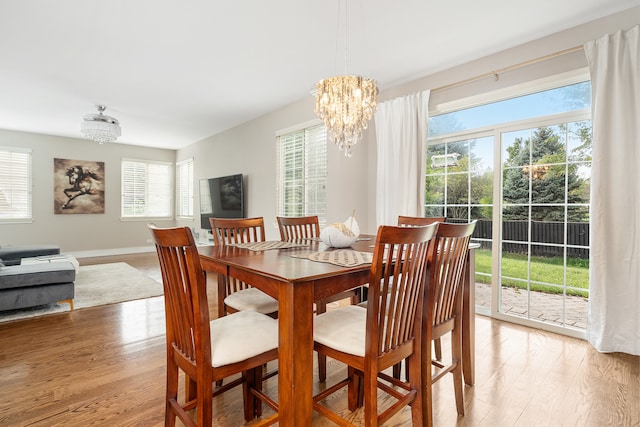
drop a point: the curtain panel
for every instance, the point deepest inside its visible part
(614, 314)
(401, 141)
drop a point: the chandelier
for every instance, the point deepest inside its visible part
(346, 103)
(100, 128)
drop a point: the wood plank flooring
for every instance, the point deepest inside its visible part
(104, 366)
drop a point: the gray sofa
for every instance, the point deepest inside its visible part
(37, 284)
(11, 255)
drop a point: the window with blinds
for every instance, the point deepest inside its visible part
(302, 172)
(15, 184)
(146, 189)
(184, 189)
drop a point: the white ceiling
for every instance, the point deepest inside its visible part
(175, 72)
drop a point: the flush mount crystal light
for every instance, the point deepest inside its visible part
(99, 127)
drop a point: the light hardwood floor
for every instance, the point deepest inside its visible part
(104, 366)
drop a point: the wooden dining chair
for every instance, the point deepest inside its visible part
(300, 227)
(308, 227)
(443, 310)
(372, 339)
(233, 294)
(208, 350)
(420, 221)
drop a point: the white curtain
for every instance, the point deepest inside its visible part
(401, 134)
(614, 309)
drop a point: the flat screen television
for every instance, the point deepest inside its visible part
(221, 197)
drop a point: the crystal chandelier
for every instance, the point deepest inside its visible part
(346, 103)
(100, 128)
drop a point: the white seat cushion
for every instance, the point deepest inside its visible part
(252, 299)
(239, 336)
(343, 329)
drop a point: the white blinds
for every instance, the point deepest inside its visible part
(146, 189)
(302, 172)
(15, 184)
(184, 188)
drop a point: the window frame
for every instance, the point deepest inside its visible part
(514, 91)
(313, 177)
(496, 130)
(24, 187)
(168, 195)
(184, 200)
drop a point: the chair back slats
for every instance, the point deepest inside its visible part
(186, 305)
(399, 270)
(228, 231)
(446, 271)
(418, 221)
(294, 228)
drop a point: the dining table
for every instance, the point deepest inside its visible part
(294, 274)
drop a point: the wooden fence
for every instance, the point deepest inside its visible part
(547, 238)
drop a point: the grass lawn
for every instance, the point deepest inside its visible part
(547, 274)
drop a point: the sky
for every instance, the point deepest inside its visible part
(553, 101)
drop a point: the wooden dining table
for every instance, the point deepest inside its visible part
(297, 282)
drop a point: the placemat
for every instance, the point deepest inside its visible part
(269, 244)
(341, 257)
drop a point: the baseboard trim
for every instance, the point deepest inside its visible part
(111, 252)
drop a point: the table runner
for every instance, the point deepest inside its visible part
(341, 257)
(270, 244)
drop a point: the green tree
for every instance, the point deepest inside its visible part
(536, 167)
(466, 182)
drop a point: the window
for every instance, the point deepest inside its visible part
(146, 189)
(531, 200)
(15, 184)
(546, 172)
(184, 189)
(557, 100)
(302, 172)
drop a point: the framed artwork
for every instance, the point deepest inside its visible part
(78, 187)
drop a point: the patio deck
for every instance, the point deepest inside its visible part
(544, 307)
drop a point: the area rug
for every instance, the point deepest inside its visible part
(95, 285)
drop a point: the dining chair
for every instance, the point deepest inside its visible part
(233, 294)
(443, 310)
(208, 350)
(308, 227)
(372, 339)
(419, 221)
(300, 227)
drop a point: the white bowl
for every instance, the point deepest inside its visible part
(340, 234)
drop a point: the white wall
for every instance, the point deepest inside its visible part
(250, 149)
(80, 234)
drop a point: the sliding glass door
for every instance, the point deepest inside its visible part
(544, 250)
(459, 186)
(521, 167)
